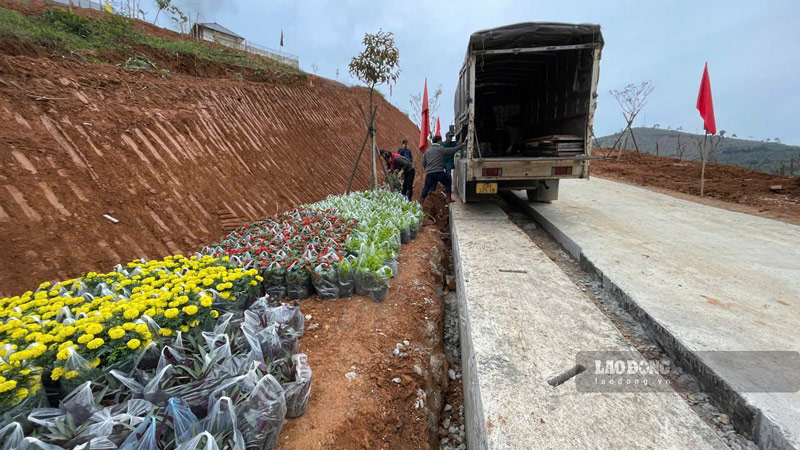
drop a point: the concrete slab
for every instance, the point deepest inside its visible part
(522, 321)
(703, 278)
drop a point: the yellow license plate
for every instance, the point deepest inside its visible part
(486, 188)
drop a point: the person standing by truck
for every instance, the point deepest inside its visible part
(449, 162)
(433, 160)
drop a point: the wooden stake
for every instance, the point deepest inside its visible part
(703, 170)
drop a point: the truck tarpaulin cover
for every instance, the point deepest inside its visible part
(524, 35)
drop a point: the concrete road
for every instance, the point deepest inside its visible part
(713, 279)
(522, 323)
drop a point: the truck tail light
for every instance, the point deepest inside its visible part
(562, 170)
(492, 172)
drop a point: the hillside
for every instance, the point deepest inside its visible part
(167, 154)
(769, 157)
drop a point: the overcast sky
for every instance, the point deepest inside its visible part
(752, 48)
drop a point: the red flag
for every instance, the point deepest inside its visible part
(281, 38)
(438, 128)
(425, 125)
(705, 105)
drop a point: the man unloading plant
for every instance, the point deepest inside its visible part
(433, 161)
(402, 166)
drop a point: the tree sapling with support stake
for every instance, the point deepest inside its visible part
(376, 64)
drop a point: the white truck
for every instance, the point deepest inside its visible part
(524, 105)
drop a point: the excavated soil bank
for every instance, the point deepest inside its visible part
(727, 186)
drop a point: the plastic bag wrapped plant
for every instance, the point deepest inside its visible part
(11, 436)
(298, 280)
(275, 280)
(299, 388)
(143, 437)
(221, 422)
(374, 283)
(262, 413)
(203, 441)
(346, 279)
(182, 420)
(26, 396)
(80, 403)
(116, 422)
(325, 281)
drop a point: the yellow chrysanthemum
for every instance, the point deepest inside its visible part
(131, 313)
(214, 314)
(171, 313)
(116, 333)
(57, 372)
(133, 344)
(141, 328)
(190, 310)
(71, 374)
(94, 343)
(165, 332)
(128, 326)
(85, 338)
(94, 328)
(206, 302)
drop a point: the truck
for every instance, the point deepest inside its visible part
(524, 106)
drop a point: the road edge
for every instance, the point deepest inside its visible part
(751, 421)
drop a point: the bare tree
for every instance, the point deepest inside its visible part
(778, 140)
(680, 150)
(314, 68)
(337, 74)
(680, 128)
(377, 64)
(656, 125)
(433, 105)
(632, 99)
(734, 135)
(722, 133)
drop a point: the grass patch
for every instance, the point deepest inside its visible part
(68, 33)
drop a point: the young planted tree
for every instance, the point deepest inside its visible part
(161, 5)
(377, 64)
(631, 99)
(433, 106)
(178, 17)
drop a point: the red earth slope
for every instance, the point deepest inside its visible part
(163, 155)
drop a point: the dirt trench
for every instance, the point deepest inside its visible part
(380, 369)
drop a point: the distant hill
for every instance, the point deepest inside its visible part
(769, 157)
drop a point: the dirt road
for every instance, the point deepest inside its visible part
(713, 279)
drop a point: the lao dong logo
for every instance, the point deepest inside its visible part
(630, 367)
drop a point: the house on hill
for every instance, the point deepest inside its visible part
(215, 32)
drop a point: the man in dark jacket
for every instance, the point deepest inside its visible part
(433, 160)
(402, 166)
(405, 152)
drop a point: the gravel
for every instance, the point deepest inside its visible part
(451, 425)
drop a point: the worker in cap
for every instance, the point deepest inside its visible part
(449, 162)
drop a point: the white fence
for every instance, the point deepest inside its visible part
(247, 46)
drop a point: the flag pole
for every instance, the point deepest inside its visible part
(703, 170)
